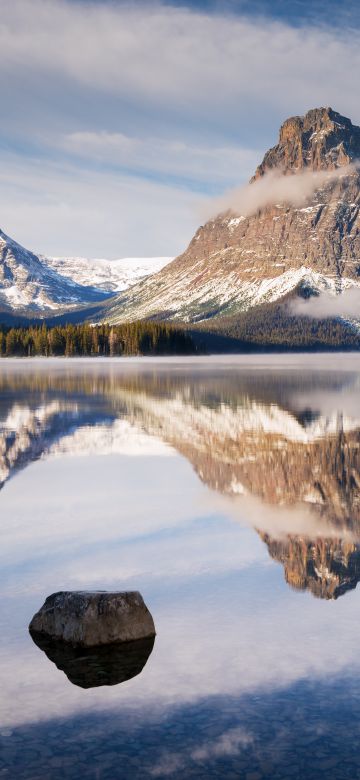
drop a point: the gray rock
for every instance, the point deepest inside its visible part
(90, 619)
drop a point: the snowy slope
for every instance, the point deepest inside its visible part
(34, 285)
(29, 285)
(187, 300)
(107, 275)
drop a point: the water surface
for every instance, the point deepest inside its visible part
(228, 493)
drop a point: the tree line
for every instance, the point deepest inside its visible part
(135, 338)
(274, 327)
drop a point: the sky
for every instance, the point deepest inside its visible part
(121, 120)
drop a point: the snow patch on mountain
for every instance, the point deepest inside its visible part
(27, 283)
(117, 438)
(223, 294)
(106, 275)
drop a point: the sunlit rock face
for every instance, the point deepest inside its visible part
(94, 618)
(237, 261)
(326, 567)
(320, 140)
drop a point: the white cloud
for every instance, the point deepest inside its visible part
(177, 56)
(163, 90)
(275, 187)
(65, 210)
(164, 156)
(346, 304)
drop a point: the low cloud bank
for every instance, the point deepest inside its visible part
(274, 187)
(347, 304)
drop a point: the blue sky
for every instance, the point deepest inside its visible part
(120, 119)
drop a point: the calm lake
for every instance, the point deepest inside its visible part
(228, 492)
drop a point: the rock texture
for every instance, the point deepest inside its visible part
(327, 567)
(91, 619)
(322, 139)
(94, 667)
(235, 261)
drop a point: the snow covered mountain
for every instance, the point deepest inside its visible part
(36, 286)
(29, 286)
(106, 275)
(295, 229)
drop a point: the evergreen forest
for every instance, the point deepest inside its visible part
(135, 338)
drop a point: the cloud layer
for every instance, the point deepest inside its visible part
(346, 305)
(157, 94)
(275, 187)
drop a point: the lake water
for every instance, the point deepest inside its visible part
(228, 492)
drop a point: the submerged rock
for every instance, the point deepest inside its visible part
(102, 665)
(91, 619)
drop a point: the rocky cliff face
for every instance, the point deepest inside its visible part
(326, 567)
(320, 140)
(236, 261)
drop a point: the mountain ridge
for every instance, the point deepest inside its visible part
(235, 261)
(35, 286)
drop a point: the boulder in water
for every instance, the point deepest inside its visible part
(94, 618)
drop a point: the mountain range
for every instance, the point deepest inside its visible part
(291, 234)
(37, 286)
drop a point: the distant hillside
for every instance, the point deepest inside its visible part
(272, 327)
(106, 275)
(36, 287)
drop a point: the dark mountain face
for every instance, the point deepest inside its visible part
(238, 261)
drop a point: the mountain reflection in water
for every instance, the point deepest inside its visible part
(289, 442)
(228, 493)
(326, 567)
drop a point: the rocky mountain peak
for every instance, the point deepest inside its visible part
(323, 139)
(265, 250)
